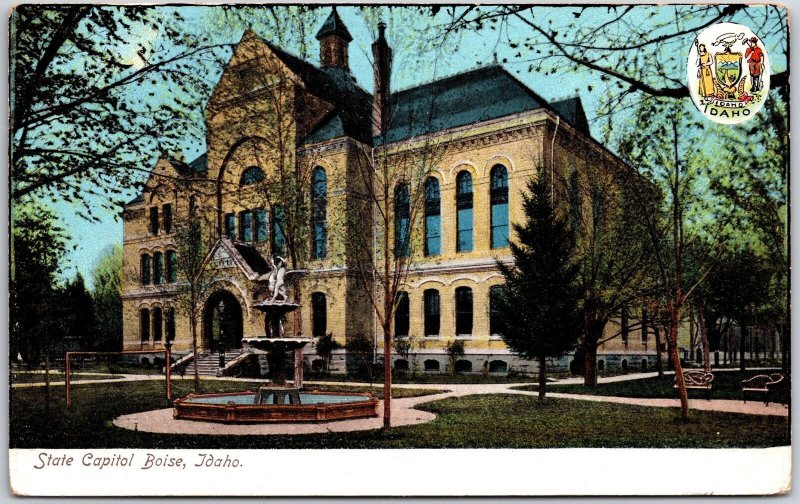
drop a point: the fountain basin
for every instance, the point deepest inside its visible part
(239, 407)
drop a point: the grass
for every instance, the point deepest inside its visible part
(423, 378)
(480, 421)
(57, 377)
(726, 385)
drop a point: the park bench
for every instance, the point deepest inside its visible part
(761, 384)
(696, 380)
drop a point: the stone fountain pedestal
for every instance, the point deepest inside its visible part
(276, 344)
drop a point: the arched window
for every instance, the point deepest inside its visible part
(144, 324)
(402, 214)
(463, 311)
(278, 231)
(464, 211)
(230, 226)
(497, 324)
(601, 365)
(169, 324)
(319, 208)
(498, 366)
(432, 365)
(463, 366)
(158, 268)
(144, 269)
(251, 176)
(319, 314)
(246, 226)
(499, 202)
(402, 315)
(172, 266)
(433, 218)
(157, 324)
(260, 217)
(401, 365)
(432, 312)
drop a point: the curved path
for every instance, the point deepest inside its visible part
(404, 412)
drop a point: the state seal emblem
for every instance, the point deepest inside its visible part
(728, 73)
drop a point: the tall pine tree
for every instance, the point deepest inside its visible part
(539, 301)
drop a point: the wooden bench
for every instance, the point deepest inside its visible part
(761, 384)
(696, 380)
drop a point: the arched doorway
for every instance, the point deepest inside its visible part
(222, 321)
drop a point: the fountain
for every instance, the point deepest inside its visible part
(276, 401)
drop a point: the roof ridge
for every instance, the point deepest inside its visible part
(451, 76)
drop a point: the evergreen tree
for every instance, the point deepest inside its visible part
(107, 278)
(80, 317)
(539, 301)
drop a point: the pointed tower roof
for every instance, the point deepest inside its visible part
(334, 26)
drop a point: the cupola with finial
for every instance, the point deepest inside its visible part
(333, 42)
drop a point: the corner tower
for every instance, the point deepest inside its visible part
(334, 40)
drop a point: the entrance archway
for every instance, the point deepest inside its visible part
(222, 321)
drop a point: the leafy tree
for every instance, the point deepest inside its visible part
(325, 346)
(107, 279)
(80, 321)
(454, 350)
(360, 347)
(96, 89)
(540, 300)
(37, 247)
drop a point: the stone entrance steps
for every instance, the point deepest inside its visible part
(208, 363)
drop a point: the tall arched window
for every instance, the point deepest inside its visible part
(278, 231)
(251, 176)
(172, 266)
(319, 208)
(169, 324)
(144, 269)
(433, 218)
(402, 224)
(158, 268)
(144, 324)
(499, 201)
(463, 311)
(157, 321)
(497, 325)
(432, 312)
(402, 315)
(464, 211)
(319, 314)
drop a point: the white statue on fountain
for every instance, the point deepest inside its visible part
(276, 279)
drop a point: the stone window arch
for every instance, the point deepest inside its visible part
(498, 199)
(433, 217)
(464, 212)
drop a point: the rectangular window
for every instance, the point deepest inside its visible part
(145, 269)
(172, 266)
(278, 235)
(246, 226)
(464, 243)
(644, 325)
(167, 211)
(402, 316)
(432, 312)
(158, 268)
(153, 220)
(230, 226)
(433, 235)
(144, 325)
(463, 311)
(261, 225)
(500, 225)
(319, 314)
(624, 323)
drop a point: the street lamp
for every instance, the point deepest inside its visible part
(168, 358)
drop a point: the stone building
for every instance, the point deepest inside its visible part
(481, 135)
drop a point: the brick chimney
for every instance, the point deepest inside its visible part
(382, 67)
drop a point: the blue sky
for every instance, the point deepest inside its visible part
(90, 239)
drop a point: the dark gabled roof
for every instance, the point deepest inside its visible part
(571, 110)
(137, 199)
(351, 103)
(478, 95)
(334, 26)
(252, 257)
(196, 167)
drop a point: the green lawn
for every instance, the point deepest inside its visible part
(496, 421)
(726, 385)
(56, 377)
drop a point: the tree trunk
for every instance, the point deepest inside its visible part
(675, 318)
(704, 339)
(387, 377)
(741, 346)
(542, 378)
(590, 366)
(659, 364)
(194, 351)
(47, 373)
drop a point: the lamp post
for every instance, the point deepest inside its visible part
(168, 358)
